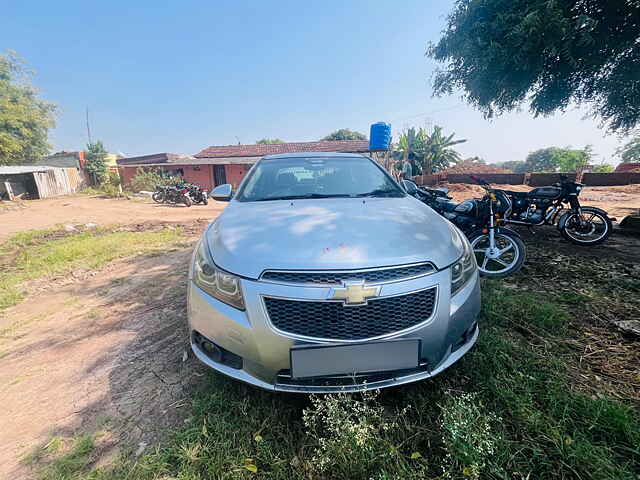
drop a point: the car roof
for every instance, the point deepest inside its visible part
(312, 154)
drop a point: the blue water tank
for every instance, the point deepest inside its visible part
(380, 136)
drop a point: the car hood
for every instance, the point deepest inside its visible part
(326, 234)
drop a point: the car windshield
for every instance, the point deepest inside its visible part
(316, 177)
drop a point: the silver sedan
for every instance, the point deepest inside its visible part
(323, 275)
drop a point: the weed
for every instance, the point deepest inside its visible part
(353, 436)
(467, 435)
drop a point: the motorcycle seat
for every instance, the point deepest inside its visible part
(446, 205)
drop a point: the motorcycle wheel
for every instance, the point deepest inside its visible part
(205, 200)
(186, 200)
(158, 197)
(507, 260)
(595, 228)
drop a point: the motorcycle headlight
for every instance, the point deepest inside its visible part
(464, 268)
(217, 283)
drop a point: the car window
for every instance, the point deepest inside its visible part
(315, 177)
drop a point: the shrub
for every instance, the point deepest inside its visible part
(146, 179)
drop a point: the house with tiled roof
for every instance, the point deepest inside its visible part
(220, 164)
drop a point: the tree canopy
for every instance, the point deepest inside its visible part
(96, 161)
(630, 151)
(269, 141)
(25, 119)
(502, 53)
(344, 134)
(554, 159)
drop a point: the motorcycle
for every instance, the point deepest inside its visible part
(546, 206)
(160, 193)
(177, 194)
(198, 194)
(499, 250)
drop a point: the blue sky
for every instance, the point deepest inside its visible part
(179, 76)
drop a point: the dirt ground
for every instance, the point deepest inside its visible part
(81, 209)
(108, 347)
(98, 350)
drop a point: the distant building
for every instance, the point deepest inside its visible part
(218, 165)
(64, 159)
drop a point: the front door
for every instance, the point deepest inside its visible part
(219, 176)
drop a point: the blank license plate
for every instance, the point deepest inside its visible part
(383, 356)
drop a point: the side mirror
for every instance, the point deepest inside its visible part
(222, 193)
(410, 187)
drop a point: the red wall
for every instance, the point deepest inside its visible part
(199, 174)
(235, 174)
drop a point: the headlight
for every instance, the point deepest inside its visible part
(217, 283)
(464, 268)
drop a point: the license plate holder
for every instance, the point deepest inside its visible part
(309, 361)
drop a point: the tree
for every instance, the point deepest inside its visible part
(96, 164)
(502, 53)
(516, 166)
(554, 159)
(269, 141)
(602, 168)
(437, 151)
(630, 151)
(431, 152)
(25, 119)
(344, 134)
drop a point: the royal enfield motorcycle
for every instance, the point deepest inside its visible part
(499, 251)
(559, 205)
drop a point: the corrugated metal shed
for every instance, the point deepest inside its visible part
(21, 169)
(41, 181)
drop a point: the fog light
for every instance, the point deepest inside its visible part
(212, 351)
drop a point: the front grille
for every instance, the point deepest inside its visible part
(334, 321)
(338, 277)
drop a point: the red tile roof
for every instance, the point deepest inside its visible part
(346, 146)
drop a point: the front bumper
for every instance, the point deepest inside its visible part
(445, 337)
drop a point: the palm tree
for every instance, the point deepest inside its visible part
(431, 152)
(436, 151)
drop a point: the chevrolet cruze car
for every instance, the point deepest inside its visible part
(322, 275)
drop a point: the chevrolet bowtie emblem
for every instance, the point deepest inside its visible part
(354, 293)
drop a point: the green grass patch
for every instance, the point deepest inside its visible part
(507, 410)
(35, 256)
(63, 458)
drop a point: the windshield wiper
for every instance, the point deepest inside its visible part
(305, 196)
(380, 192)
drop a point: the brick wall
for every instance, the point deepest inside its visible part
(502, 178)
(235, 174)
(199, 174)
(545, 179)
(609, 179)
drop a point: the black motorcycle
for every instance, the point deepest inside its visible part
(499, 251)
(160, 193)
(546, 206)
